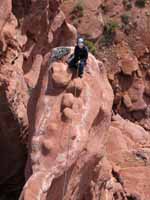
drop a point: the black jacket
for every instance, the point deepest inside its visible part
(81, 54)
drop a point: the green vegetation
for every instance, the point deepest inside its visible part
(76, 22)
(140, 3)
(77, 13)
(127, 4)
(30, 90)
(110, 27)
(109, 33)
(78, 10)
(128, 25)
(125, 18)
(91, 46)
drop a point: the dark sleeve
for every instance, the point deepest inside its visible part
(76, 52)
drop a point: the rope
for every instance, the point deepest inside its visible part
(68, 144)
(75, 92)
(66, 166)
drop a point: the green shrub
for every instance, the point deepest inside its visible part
(110, 27)
(140, 3)
(109, 33)
(91, 46)
(30, 90)
(125, 18)
(127, 4)
(78, 10)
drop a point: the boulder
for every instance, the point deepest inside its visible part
(127, 61)
(68, 100)
(60, 75)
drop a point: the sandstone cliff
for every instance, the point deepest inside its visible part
(68, 138)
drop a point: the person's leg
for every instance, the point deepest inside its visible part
(72, 63)
(81, 68)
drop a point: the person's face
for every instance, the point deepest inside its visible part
(81, 45)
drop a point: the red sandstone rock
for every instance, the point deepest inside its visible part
(68, 100)
(13, 107)
(136, 94)
(92, 28)
(128, 159)
(68, 114)
(60, 76)
(127, 61)
(76, 87)
(34, 72)
(23, 42)
(77, 129)
(118, 171)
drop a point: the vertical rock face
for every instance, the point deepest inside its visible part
(13, 107)
(58, 131)
(71, 124)
(24, 39)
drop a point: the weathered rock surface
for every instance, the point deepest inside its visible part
(84, 129)
(127, 61)
(129, 160)
(44, 104)
(79, 12)
(13, 107)
(24, 39)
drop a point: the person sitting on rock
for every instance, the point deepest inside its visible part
(80, 57)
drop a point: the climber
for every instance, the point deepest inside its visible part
(80, 56)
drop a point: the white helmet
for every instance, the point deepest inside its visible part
(80, 41)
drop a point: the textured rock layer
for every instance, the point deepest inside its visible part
(63, 137)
